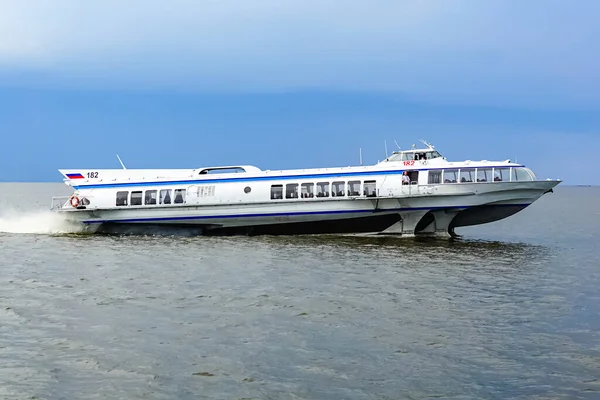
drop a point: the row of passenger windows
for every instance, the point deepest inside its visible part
(324, 189)
(465, 175)
(334, 189)
(151, 197)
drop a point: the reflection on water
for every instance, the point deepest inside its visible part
(412, 244)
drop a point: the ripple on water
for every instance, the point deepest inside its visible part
(337, 317)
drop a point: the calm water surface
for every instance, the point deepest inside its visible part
(510, 310)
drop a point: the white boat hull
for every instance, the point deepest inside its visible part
(407, 210)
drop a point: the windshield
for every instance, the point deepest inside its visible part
(415, 155)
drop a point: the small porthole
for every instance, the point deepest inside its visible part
(247, 189)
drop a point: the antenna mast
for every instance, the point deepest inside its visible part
(429, 145)
(360, 154)
(122, 165)
(385, 144)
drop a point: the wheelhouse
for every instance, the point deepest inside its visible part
(414, 155)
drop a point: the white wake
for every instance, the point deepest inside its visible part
(41, 222)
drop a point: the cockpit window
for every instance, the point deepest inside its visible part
(414, 155)
(419, 155)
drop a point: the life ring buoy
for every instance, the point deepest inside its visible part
(74, 200)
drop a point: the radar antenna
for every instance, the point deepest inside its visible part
(122, 165)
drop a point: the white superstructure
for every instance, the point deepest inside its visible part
(411, 192)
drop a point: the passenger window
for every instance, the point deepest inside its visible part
(450, 175)
(165, 196)
(291, 191)
(308, 190)
(467, 175)
(370, 189)
(354, 188)
(276, 192)
(150, 197)
(521, 174)
(323, 189)
(484, 174)
(136, 198)
(435, 177)
(122, 198)
(179, 196)
(501, 174)
(338, 189)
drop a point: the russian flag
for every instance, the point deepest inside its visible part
(75, 176)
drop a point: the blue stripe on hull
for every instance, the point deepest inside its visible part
(246, 179)
(287, 214)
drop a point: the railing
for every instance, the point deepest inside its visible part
(412, 188)
(59, 202)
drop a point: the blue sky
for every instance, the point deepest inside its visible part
(293, 84)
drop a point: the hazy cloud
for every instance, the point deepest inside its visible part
(539, 52)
